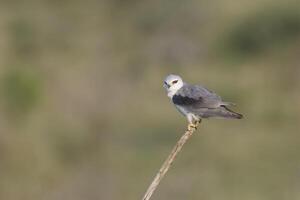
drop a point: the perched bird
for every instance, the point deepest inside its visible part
(197, 102)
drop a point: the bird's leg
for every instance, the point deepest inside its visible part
(193, 122)
(191, 125)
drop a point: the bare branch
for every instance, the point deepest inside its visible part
(167, 164)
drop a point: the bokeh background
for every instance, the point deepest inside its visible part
(83, 114)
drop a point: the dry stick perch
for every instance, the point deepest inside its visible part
(165, 167)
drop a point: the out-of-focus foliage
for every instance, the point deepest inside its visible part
(263, 31)
(83, 114)
(20, 91)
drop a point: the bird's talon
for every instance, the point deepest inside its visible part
(192, 127)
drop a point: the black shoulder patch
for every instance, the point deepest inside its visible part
(182, 100)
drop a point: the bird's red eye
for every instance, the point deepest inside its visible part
(174, 81)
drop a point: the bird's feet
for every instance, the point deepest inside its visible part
(193, 126)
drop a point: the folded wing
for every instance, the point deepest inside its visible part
(195, 97)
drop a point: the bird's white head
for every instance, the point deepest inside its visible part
(172, 83)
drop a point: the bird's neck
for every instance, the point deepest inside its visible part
(171, 93)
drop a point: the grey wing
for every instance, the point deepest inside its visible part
(196, 97)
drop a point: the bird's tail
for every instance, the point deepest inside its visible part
(228, 104)
(227, 113)
(222, 112)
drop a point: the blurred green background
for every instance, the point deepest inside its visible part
(83, 114)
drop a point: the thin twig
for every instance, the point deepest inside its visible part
(166, 165)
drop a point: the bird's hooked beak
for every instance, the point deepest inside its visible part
(166, 85)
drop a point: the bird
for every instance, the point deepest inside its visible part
(197, 102)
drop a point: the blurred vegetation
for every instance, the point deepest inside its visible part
(20, 92)
(264, 30)
(84, 114)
